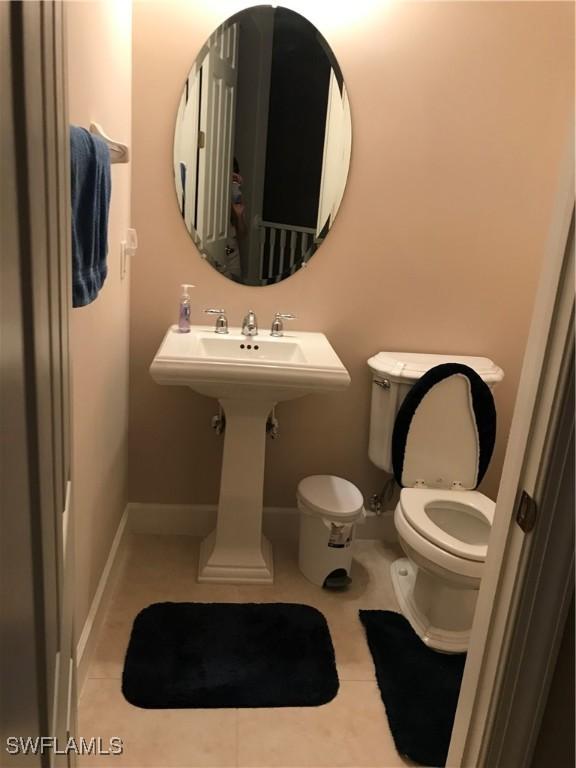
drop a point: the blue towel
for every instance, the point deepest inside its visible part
(90, 177)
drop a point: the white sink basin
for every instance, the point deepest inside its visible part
(264, 351)
(262, 366)
(248, 376)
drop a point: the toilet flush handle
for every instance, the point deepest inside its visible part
(384, 383)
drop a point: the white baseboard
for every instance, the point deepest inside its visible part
(99, 606)
(200, 520)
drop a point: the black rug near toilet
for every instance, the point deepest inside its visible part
(211, 655)
(419, 686)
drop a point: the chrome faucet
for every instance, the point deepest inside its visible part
(221, 320)
(277, 324)
(250, 324)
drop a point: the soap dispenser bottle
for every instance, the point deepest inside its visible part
(185, 309)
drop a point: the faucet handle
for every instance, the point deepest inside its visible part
(277, 324)
(221, 320)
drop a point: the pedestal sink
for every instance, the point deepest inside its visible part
(248, 376)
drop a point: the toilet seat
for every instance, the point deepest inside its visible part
(426, 554)
(469, 513)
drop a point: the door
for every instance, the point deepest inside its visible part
(336, 155)
(37, 520)
(58, 247)
(186, 150)
(513, 546)
(219, 73)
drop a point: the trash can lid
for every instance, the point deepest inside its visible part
(331, 496)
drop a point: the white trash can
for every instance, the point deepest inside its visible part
(330, 507)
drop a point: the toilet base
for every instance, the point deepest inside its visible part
(421, 595)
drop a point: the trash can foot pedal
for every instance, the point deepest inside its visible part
(338, 579)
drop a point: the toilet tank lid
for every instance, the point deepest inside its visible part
(410, 366)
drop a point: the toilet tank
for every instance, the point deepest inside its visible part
(393, 374)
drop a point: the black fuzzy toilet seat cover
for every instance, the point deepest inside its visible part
(482, 404)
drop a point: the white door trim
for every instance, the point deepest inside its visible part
(526, 456)
(546, 595)
(37, 265)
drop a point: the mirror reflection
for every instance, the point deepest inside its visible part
(262, 145)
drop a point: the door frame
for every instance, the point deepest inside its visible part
(504, 615)
(37, 519)
(543, 603)
(217, 125)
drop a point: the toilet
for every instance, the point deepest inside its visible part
(433, 425)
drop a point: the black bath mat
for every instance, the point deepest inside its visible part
(210, 655)
(419, 686)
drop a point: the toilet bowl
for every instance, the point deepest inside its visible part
(439, 447)
(444, 535)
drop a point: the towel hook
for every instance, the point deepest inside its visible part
(119, 153)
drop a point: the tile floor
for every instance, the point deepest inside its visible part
(351, 731)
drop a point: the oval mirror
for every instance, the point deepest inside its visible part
(262, 145)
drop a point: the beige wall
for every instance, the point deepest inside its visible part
(460, 114)
(99, 68)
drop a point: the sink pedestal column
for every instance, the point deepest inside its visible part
(237, 552)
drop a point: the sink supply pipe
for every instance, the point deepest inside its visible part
(272, 425)
(381, 502)
(219, 421)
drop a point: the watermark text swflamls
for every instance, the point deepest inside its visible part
(42, 745)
